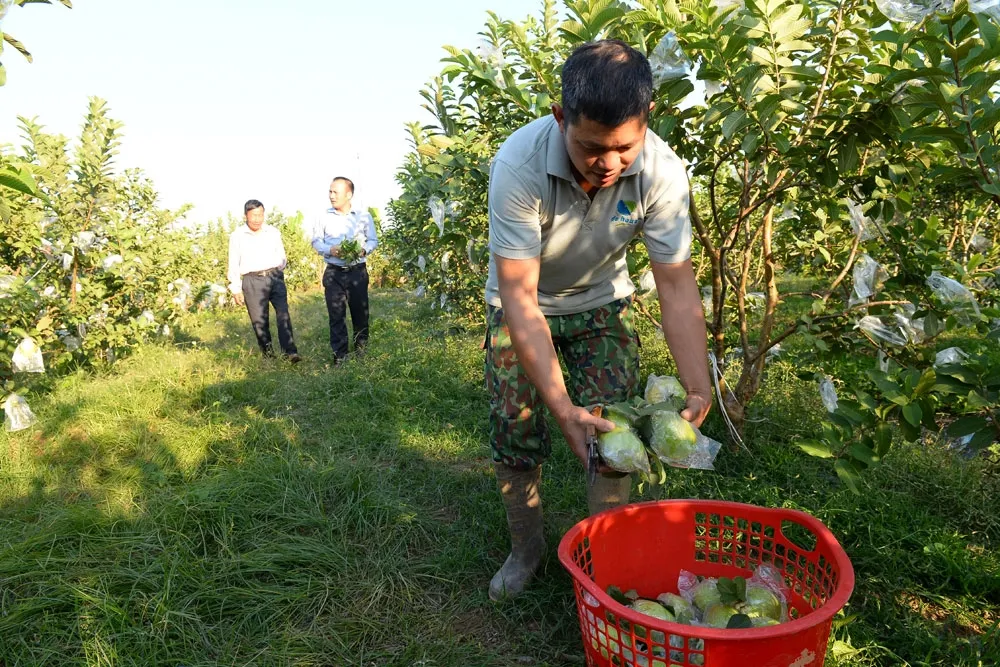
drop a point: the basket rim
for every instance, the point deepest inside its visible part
(824, 613)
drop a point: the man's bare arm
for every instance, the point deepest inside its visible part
(529, 332)
(684, 328)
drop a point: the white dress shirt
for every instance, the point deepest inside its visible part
(333, 228)
(253, 251)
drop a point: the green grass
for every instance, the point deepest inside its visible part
(198, 505)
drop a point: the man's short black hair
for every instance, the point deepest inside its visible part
(251, 205)
(345, 179)
(607, 81)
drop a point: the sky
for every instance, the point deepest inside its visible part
(228, 100)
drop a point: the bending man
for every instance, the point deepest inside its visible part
(567, 194)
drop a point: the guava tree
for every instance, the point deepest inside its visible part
(15, 177)
(813, 146)
(92, 265)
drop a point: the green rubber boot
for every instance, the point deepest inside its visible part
(608, 490)
(521, 498)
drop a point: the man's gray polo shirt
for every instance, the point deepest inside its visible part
(538, 209)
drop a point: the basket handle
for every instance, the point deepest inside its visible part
(802, 536)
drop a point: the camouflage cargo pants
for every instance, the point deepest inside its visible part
(601, 350)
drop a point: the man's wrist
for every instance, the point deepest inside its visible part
(561, 407)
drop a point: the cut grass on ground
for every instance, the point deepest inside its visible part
(198, 505)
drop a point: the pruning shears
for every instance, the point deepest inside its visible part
(593, 457)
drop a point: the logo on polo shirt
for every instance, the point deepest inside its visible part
(626, 213)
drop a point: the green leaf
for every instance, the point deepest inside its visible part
(966, 425)
(926, 382)
(959, 372)
(864, 454)
(732, 591)
(932, 325)
(883, 439)
(866, 400)
(951, 92)
(781, 143)
(849, 474)
(815, 448)
(616, 594)
(887, 36)
(983, 439)
(976, 401)
(7, 37)
(733, 122)
(18, 180)
(987, 29)
(849, 413)
(739, 622)
(912, 414)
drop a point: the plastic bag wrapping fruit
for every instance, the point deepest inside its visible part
(956, 296)
(646, 282)
(912, 328)
(912, 11)
(868, 278)
(828, 393)
(861, 224)
(725, 5)
(436, 208)
(665, 388)
(668, 61)
(951, 355)
(18, 415)
(622, 450)
(763, 598)
(989, 7)
(648, 435)
(677, 442)
(706, 300)
(874, 326)
(27, 357)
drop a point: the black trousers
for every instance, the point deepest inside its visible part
(259, 292)
(346, 288)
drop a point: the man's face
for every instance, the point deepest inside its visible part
(255, 218)
(600, 153)
(340, 195)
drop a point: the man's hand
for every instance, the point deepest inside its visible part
(697, 408)
(238, 299)
(574, 422)
(334, 251)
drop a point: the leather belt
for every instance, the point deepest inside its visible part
(263, 274)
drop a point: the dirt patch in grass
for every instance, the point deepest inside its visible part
(476, 626)
(961, 626)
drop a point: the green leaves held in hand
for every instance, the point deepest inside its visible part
(350, 251)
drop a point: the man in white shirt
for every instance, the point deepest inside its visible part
(345, 280)
(257, 278)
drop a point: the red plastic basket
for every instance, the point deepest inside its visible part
(645, 546)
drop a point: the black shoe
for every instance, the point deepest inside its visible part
(294, 358)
